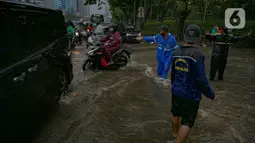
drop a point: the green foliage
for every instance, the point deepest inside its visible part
(208, 25)
(124, 5)
(117, 13)
(91, 2)
(151, 26)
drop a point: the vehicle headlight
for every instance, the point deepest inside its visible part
(90, 40)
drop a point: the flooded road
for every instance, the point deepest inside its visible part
(131, 106)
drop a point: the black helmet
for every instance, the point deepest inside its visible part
(164, 28)
(106, 29)
(227, 31)
(113, 26)
(70, 23)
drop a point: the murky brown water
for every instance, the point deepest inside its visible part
(130, 106)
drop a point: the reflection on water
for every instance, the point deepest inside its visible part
(132, 105)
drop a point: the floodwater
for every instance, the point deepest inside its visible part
(131, 106)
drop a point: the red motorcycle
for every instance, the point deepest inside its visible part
(97, 59)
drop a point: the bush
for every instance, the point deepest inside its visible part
(151, 27)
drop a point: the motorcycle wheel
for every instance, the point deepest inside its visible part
(88, 65)
(122, 60)
(63, 77)
(127, 54)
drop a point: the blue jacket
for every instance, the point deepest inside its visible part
(165, 46)
(188, 75)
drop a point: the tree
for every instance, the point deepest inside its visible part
(90, 2)
(117, 14)
(182, 11)
(126, 6)
(183, 8)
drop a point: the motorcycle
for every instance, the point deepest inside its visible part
(84, 34)
(96, 58)
(90, 32)
(90, 43)
(77, 37)
(92, 39)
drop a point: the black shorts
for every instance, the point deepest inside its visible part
(185, 109)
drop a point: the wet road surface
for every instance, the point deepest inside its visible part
(131, 106)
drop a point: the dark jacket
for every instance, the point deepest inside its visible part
(90, 28)
(221, 43)
(188, 75)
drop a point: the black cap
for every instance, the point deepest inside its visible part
(192, 33)
(164, 28)
(227, 31)
(113, 25)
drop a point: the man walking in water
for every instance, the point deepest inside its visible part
(166, 45)
(188, 79)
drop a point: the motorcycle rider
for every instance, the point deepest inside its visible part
(79, 28)
(70, 27)
(71, 32)
(112, 42)
(221, 44)
(166, 44)
(90, 27)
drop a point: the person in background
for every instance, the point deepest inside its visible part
(215, 29)
(90, 27)
(166, 44)
(188, 79)
(221, 44)
(94, 25)
(79, 28)
(112, 41)
(70, 27)
(129, 23)
(220, 30)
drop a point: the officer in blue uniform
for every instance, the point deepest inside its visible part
(166, 43)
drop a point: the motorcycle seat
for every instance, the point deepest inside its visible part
(117, 52)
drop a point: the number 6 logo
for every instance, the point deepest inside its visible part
(235, 18)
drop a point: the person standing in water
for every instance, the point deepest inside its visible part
(166, 44)
(221, 45)
(188, 79)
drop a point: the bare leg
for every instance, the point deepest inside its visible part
(175, 125)
(183, 134)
